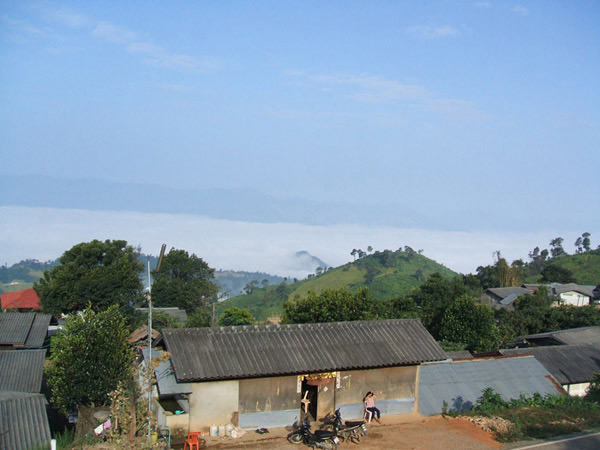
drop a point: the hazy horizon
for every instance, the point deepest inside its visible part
(45, 233)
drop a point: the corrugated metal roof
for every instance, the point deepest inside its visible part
(14, 327)
(504, 292)
(21, 370)
(267, 350)
(23, 329)
(572, 336)
(460, 383)
(23, 421)
(165, 376)
(567, 363)
(462, 354)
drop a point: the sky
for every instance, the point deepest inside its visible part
(446, 106)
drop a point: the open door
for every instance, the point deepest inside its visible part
(309, 401)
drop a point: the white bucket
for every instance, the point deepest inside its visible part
(214, 431)
(222, 431)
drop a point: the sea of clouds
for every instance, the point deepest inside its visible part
(45, 233)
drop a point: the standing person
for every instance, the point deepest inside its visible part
(370, 405)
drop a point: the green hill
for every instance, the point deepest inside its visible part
(387, 274)
(585, 267)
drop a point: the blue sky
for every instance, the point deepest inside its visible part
(487, 106)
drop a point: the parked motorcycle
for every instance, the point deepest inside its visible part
(326, 440)
(353, 431)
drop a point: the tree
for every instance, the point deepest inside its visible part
(251, 287)
(473, 325)
(331, 305)
(236, 316)
(434, 296)
(184, 281)
(587, 244)
(557, 249)
(98, 274)
(201, 318)
(89, 357)
(556, 274)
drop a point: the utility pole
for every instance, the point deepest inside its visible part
(158, 264)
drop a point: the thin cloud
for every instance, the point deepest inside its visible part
(482, 4)
(521, 10)
(67, 17)
(375, 89)
(131, 41)
(429, 32)
(113, 33)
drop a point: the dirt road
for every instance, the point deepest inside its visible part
(428, 433)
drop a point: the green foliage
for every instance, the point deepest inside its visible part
(555, 274)
(160, 320)
(435, 295)
(538, 417)
(201, 318)
(236, 316)
(331, 305)
(184, 281)
(466, 322)
(95, 273)
(489, 403)
(593, 392)
(262, 302)
(89, 357)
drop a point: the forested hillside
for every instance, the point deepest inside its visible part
(387, 274)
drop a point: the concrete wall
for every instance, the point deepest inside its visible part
(268, 402)
(395, 388)
(275, 401)
(213, 402)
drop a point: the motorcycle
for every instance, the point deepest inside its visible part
(326, 440)
(353, 431)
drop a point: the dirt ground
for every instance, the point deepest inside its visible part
(415, 432)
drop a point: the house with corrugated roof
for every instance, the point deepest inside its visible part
(23, 330)
(258, 376)
(23, 417)
(572, 356)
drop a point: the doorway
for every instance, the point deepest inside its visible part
(309, 401)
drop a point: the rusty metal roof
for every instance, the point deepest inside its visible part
(202, 354)
(21, 370)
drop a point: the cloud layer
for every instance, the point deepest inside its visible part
(45, 233)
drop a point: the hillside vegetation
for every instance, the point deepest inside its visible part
(585, 267)
(388, 274)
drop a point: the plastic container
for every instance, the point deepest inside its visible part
(214, 431)
(222, 431)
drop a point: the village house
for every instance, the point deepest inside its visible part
(258, 376)
(23, 301)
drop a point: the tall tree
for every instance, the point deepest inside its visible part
(553, 273)
(99, 274)
(468, 323)
(556, 248)
(184, 281)
(89, 357)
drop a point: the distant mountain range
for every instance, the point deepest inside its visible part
(232, 204)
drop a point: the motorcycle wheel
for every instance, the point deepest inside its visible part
(295, 438)
(355, 438)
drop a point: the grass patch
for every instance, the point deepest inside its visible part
(538, 417)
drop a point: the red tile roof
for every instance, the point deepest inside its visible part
(25, 299)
